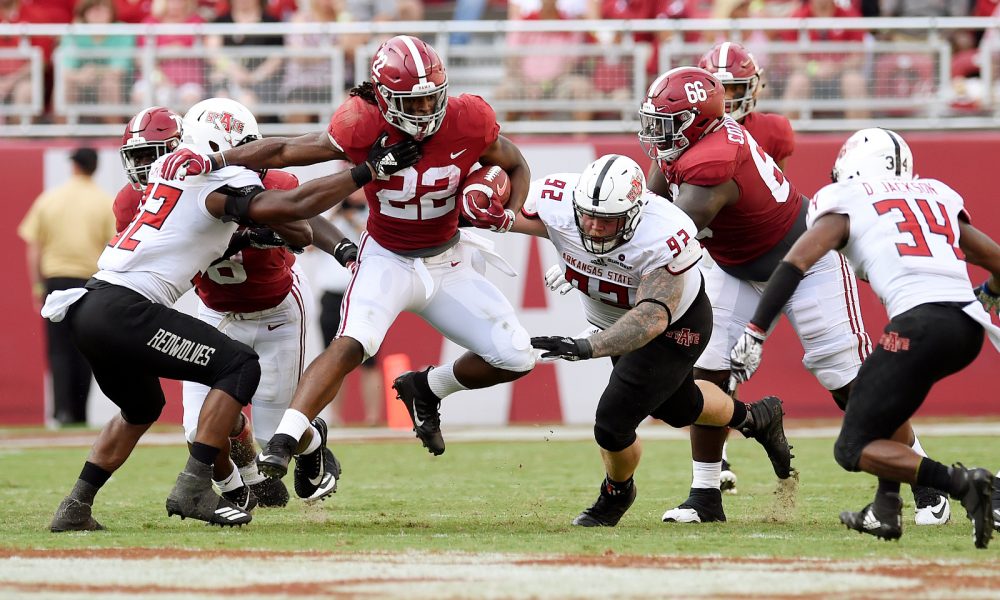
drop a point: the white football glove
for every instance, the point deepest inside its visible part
(556, 280)
(746, 354)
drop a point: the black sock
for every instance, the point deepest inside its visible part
(92, 478)
(933, 474)
(204, 453)
(887, 486)
(614, 488)
(741, 414)
(420, 380)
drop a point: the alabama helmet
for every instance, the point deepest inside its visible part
(611, 187)
(681, 106)
(406, 70)
(737, 69)
(873, 153)
(150, 134)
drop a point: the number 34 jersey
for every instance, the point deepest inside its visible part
(903, 238)
(664, 239)
(173, 236)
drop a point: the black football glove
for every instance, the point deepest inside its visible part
(345, 252)
(386, 160)
(566, 348)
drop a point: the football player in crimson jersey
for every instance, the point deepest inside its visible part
(737, 69)
(911, 239)
(412, 256)
(748, 214)
(255, 293)
(653, 317)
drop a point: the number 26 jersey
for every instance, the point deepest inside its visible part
(663, 239)
(903, 238)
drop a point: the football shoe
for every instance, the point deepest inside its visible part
(703, 505)
(882, 518)
(424, 412)
(607, 510)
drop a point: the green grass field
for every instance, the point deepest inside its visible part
(493, 497)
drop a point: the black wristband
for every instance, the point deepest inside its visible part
(361, 174)
(585, 349)
(214, 162)
(780, 287)
(345, 251)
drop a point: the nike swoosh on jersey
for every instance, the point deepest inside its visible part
(455, 155)
(272, 327)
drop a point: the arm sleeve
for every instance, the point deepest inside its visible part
(826, 201)
(347, 127)
(784, 143)
(479, 120)
(779, 290)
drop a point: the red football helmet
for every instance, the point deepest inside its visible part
(153, 132)
(737, 69)
(680, 107)
(412, 85)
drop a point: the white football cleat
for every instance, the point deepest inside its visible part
(931, 509)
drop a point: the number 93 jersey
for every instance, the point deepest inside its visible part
(415, 209)
(172, 237)
(903, 238)
(663, 239)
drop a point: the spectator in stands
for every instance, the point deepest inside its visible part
(133, 11)
(180, 81)
(350, 216)
(15, 73)
(247, 79)
(364, 11)
(550, 74)
(827, 75)
(65, 230)
(570, 9)
(93, 79)
(643, 9)
(308, 79)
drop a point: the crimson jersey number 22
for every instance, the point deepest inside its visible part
(401, 201)
(155, 211)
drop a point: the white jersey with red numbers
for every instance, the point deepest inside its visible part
(903, 238)
(173, 237)
(414, 210)
(663, 239)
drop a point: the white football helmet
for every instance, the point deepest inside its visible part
(611, 187)
(874, 153)
(218, 124)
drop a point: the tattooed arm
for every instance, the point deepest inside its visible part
(645, 320)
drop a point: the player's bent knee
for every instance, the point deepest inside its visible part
(144, 413)
(847, 451)
(240, 378)
(612, 441)
(511, 348)
(682, 413)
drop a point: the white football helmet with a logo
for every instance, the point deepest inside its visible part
(873, 153)
(218, 124)
(611, 187)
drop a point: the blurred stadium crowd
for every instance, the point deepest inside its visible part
(103, 78)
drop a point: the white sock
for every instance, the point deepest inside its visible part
(442, 381)
(250, 474)
(725, 447)
(706, 475)
(313, 442)
(232, 482)
(917, 447)
(293, 423)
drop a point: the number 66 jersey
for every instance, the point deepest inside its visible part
(903, 238)
(663, 239)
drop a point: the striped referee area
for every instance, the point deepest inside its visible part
(14, 438)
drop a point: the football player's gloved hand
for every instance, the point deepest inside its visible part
(990, 300)
(184, 161)
(566, 348)
(346, 253)
(386, 160)
(495, 217)
(745, 356)
(556, 280)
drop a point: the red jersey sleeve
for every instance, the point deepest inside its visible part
(280, 180)
(355, 127)
(126, 206)
(711, 162)
(477, 119)
(784, 138)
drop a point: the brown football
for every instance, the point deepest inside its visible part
(487, 185)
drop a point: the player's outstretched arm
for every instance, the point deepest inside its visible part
(703, 203)
(982, 251)
(506, 155)
(829, 232)
(528, 226)
(657, 298)
(297, 234)
(267, 153)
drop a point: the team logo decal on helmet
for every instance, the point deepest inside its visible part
(873, 153)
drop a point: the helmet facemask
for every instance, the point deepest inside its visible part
(138, 156)
(399, 114)
(662, 135)
(739, 106)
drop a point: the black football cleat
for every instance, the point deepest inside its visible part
(317, 473)
(242, 498)
(767, 427)
(273, 460)
(271, 493)
(424, 412)
(608, 509)
(978, 503)
(704, 505)
(884, 523)
(193, 497)
(73, 515)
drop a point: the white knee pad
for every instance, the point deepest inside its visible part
(511, 347)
